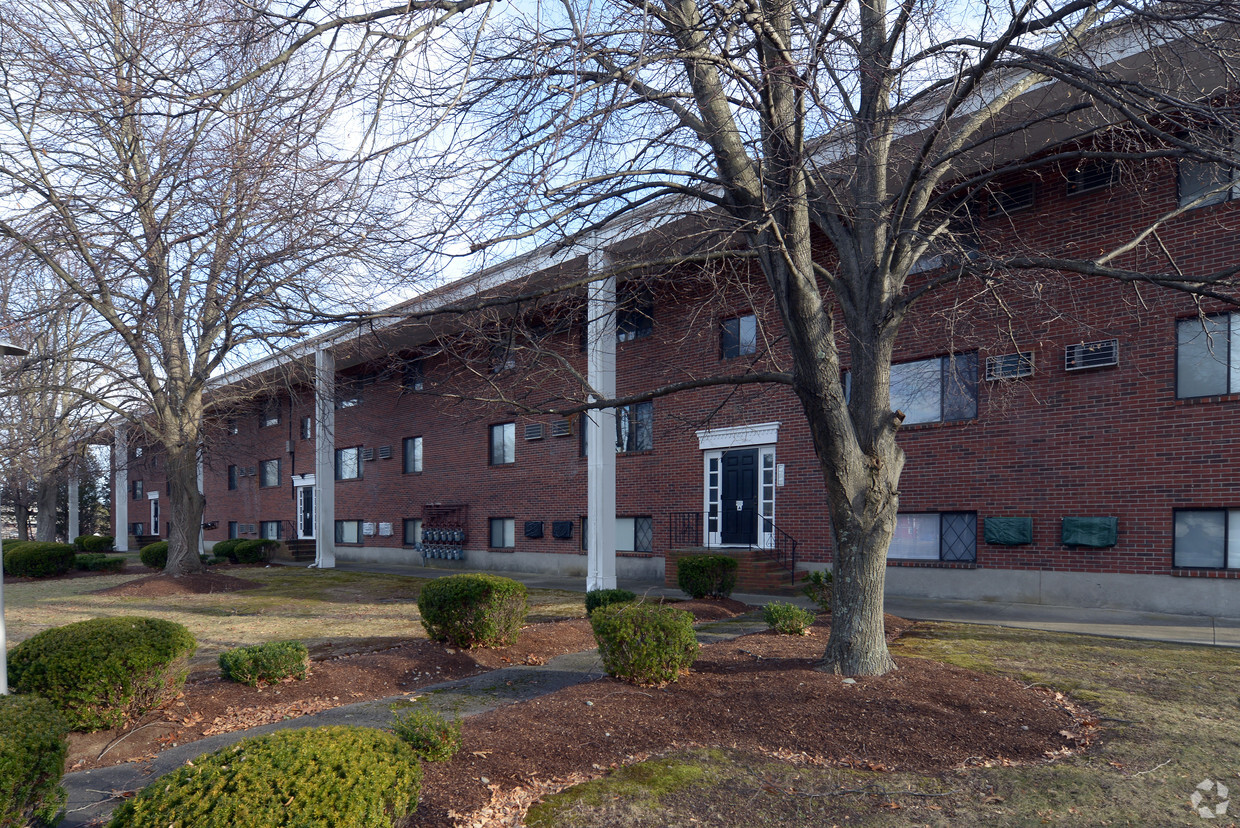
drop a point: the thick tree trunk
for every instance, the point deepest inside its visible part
(186, 514)
(21, 514)
(45, 503)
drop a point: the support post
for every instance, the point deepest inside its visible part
(75, 493)
(120, 490)
(325, 458)
(202, 544)
(601, 429)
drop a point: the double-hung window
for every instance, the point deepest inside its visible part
(1207, 539)
(503, 448)
(938, 390)
(935, 536)
(738, 336)
(269, 530)
(307, 428)
(138, 488)
(271, 414)
(1206, 182)
(412, 455)
(269, 473)
(635, 427)
(1207, 355)
(503, 533)
(412, 531)
(232, 478)
(349, 463)
(348, 531)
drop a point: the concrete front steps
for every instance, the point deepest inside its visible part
(755, 571)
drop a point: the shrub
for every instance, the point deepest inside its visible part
(432, 737)
(818, 588)
(266, 663)
(253, 551)
(102, 672)
(323, 777)
(473, 610)
(37, 559)
(226, 549)
(94, 543)
(32, 760)
(596, 598)
(97, 562)
(706, 576)
(154, 555)
(9, 544)
(643, 643)
(788, 619)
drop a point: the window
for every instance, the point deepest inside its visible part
(350, 394)
(1206, 360)
(269, 473)
(349, 463)
(413, 378)
(1012, 199)
(503, 357)
(137, 488)
(1094, 174)
(232, 530)
(1207, 538)
(270, 530)
(232, 478)
(348, 531)
(137, 529)
(232, 426)
(503, 444)
(271, 414)
(634, 534)
(503, 533)
(935, 536)
(137, 452)
(635, 427)
(739, 336)
(412, 455)
(942, 389)
(413, 531)
(1205, 180)
(307, 428)
(635, 318)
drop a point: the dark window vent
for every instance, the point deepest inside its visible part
(1009, 366)
(562, 428)
(1091, 175)
(1086, 355)
(253, 470)
(534, 431)
(385, 452)
(368, 454)
(1013, 198)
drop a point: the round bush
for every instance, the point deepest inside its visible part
(32, 760)
(432, 737)
(646, 644)
(253, 551)
(9, 544)
(324, 777)
(38, 559)
(596, 598)
(94, 543)
(102, 672)
(788, 619)
(473, 610)
(266, 663)
(706, 576)
(226, 549)
(154, 555)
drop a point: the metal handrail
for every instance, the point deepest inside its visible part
(685, 530)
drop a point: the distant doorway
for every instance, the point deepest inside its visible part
(305, 513)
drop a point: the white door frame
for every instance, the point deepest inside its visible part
(302, 482)
(713, 442)
(153, 497)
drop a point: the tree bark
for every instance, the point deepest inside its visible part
(45, 504)
(21, 514)
(187, 506)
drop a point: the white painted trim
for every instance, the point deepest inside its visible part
(152, 495)
(756, 434)
(601, 430)
(303, 480)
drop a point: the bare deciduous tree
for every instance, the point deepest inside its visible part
(845, 144)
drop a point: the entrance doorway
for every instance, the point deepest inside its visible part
(739, 506)
(155, 516)
(305, 513)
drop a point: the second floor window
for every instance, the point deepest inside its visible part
(938, 390)
(271, 414)
(503, 449)
(269, 473)
(307, 428)
(349, 463)
(232, 478)
(1207, 355)
(137, 487)
(635, 427)
(738, 336)
(412, 455)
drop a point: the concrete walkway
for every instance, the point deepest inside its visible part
(93, 794)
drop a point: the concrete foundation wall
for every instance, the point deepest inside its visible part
(642, 570)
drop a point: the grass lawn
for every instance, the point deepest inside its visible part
(1171, 717)
(313, 606)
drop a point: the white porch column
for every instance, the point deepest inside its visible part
(202, 492)
(325, 458)
(601, 431)
(120, 491)
(74, 518)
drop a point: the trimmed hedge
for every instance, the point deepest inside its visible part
(254, 551)
(9, 544)
(646, 644)
(432, 737)
(103, 672)
(32, 760)
(706, 576)
(38, 559)
(94, 543)
(324, 777)
(266, 663)
(596, 598)
(227, 549)
(788, 619)
(97, 561)
(154, 555)
(473, 610)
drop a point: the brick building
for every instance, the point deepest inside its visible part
(1069, 440)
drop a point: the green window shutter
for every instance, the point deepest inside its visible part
(1008, 531)
(1090, 531)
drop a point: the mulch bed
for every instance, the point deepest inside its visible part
(160, 586)
(758, 693)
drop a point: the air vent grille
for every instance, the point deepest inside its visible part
(1085, 355)
(1009, 366)
(534, 431)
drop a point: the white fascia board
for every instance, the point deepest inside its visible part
(756, 434)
